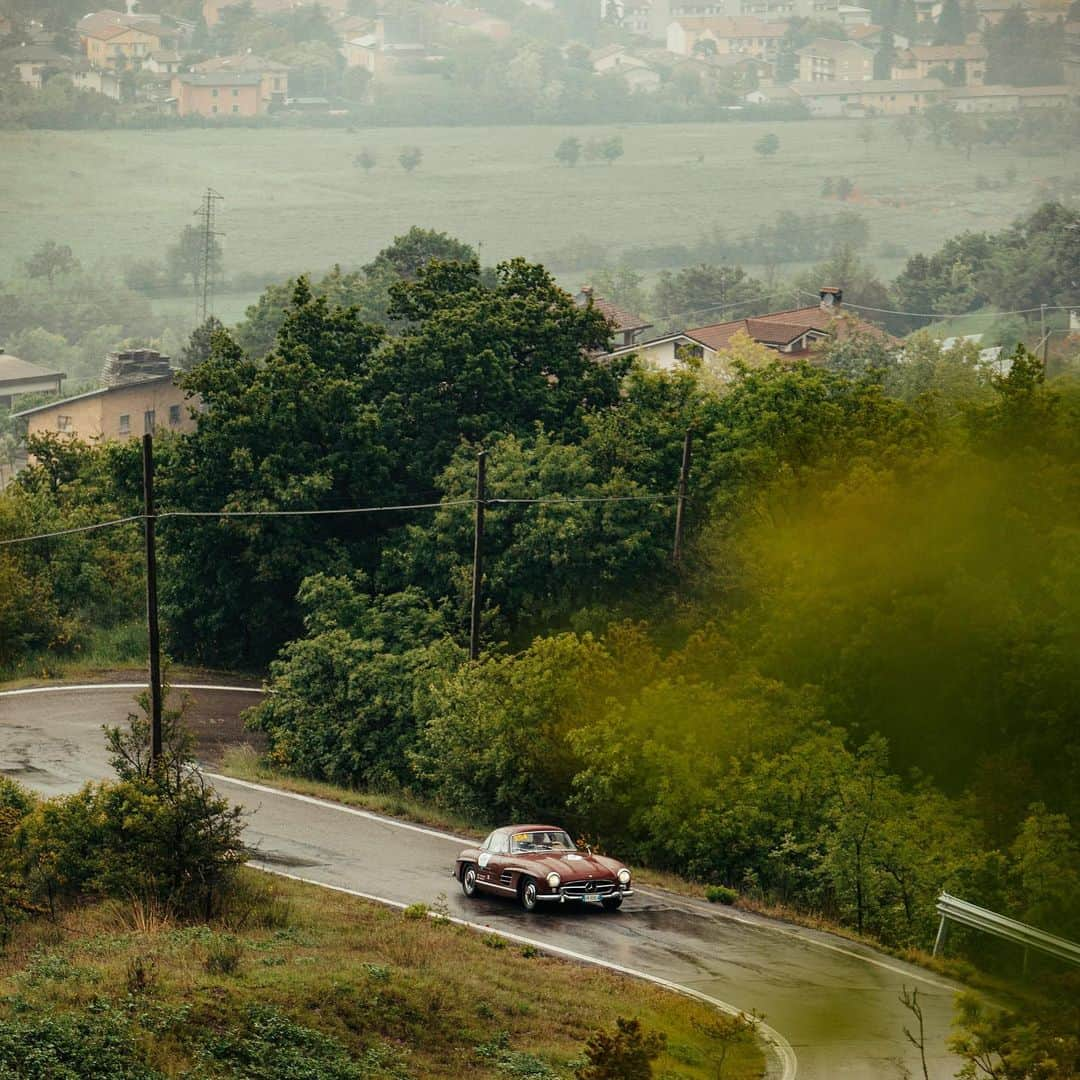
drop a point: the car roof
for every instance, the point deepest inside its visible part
(530, 828)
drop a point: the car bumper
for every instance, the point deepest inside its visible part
(595, 898)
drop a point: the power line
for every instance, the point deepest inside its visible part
(951, 314)
(77, 529)
(539, 501)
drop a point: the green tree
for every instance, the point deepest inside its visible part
(907, 127)
(49, 260)
(200, 344)
(410, 157)
(612, 149)
(950, 24)
(625, 1054)
(865, 134)
(365, 159)
(568, 152)
(767, 145)
(705, 293)
(843, 188)
(191, 256)
(885, 56)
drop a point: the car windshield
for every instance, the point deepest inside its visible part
(541, 840)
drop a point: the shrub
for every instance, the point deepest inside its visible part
(721, 894)
(158, 834)
(625, 1054)
(224, 957)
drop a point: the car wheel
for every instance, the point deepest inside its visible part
(612, 903)
(527, 894)
(468, 879)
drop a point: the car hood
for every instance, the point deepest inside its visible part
(572, 866)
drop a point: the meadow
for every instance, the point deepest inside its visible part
(294, 200)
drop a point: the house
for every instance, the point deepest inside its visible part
(965, 64)
(743, 35)
(33, 65)
(97, 80)
(869, 97)
(21, 377)
(664, 353)
(163, 62)
(832, 60)
(871, 36)
(222, 94)
(851, 16)
(391, 40)
(212, 9)
(1000, 99)
(991, 12)
(628, 328)
(273, 76)
(929, 10)
(616, 60)
(139, 396)
(469, 21)
(791, 333)
(115, 40)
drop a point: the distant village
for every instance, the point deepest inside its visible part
(825, 57)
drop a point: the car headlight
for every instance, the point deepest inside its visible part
(624, 876)
(553, 880)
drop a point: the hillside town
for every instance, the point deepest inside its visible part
(626, 58)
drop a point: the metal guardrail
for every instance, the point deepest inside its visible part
(958, 911)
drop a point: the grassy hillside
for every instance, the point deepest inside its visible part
(293, 198)
(299, 982)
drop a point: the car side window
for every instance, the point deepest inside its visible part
(486, 845)
(500, 843)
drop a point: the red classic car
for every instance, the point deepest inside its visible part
(541, 864)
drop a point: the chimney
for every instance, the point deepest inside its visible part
(830, 296)
(584, 296)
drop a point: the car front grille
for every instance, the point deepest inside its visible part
(577, 890)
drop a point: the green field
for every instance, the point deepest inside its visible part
(294, 200)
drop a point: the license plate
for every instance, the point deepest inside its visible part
(591, 898)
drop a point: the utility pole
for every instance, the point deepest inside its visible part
(207, 210)
(680, 505)
(478, 554)
(151, 598)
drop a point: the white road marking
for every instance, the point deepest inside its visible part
(777, 1043)
(667, 898)
(327, 804)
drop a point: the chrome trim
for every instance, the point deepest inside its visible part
(496, 885)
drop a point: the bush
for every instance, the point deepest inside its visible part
(159, 834)
(721, 894)
(224, 957)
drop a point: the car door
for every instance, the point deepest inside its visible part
(491, 865)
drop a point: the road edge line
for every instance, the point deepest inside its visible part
(777, 1044)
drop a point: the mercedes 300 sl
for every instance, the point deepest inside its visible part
(540, 864)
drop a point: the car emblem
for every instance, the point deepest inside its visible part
(590, 886)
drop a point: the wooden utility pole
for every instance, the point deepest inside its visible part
(152, 633)
(478, 555)
(680, 505)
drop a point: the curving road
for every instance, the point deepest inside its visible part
(829, 1003)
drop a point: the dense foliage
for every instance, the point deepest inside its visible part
(857, 688)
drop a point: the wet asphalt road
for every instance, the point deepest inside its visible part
(835, 1002)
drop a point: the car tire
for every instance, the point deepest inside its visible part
(612, 903)
(527, 894)
(468, 880)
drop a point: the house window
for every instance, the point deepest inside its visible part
(125, 424)
(63, 423)
(236, 108)
(214, 93)
(236, 93)
(174, 415)
(148, 421)
(213, 109)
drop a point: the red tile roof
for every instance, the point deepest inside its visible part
(783, 327)
(623, 320)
